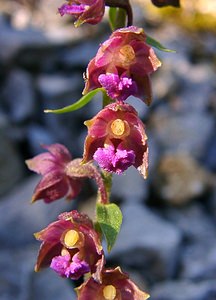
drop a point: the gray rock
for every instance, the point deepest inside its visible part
(184, 132)
(19, 219)
(147, 242)
(79, 55)
(164, 83)
(199, 261)
(194, 223)
(47, 285)
(59, 91)
(180, 178)
(37, 135)
(212, 203)
(184, 290)
(195, 83)
(57, 87)
(209, 157)
(155, 152)
(142, 109)
(130, 186)
(16, 272)
(13, 40)
(198, 255)
(11, 166)
(19, 96)
(19, 281)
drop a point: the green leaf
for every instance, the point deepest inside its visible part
(117, 18)
(112, 17)
(77, 105)
(120, 18)
(109, 217)
(156, 44)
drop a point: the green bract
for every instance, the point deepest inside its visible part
(77, 105)
(156, 44)
(109, 217)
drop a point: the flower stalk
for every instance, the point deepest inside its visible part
(116, 140)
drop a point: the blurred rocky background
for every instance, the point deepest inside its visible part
(168, 237)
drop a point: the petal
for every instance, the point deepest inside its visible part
(51, 245)
(107, 51)
(92, 75)
(144, 90)
(60, 152)
(46, 253)
(54, 160)
(52, 186)
(90, 146)
(97, 127)
(143, 168)
(93, 13)
(42, 163)
(53, 232)
(76, 218)
(71, 9)
(75, 187)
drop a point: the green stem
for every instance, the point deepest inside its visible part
(106, 99)
(107, 179)
(120, 18)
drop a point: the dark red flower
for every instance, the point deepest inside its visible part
(115, 285)
(122, 66)
(71, 247)
(55, 183)
(116, 139)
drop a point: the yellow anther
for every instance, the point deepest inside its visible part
(118, 127)
(127, 55)
(109, 292)
(71, 238)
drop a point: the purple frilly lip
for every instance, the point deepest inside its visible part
(71, 269)
(118, 87)
(114, 161)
